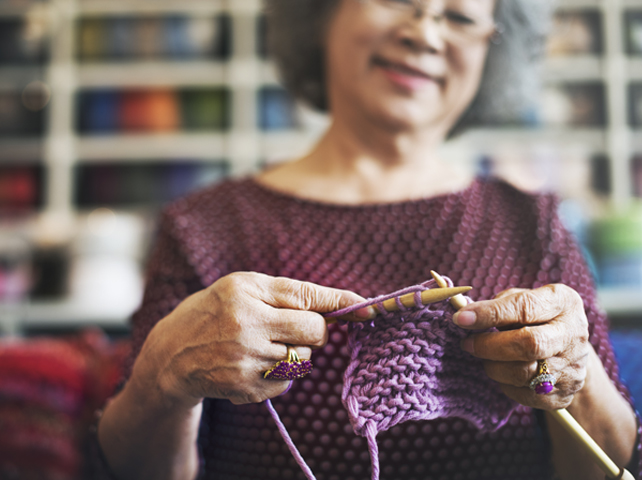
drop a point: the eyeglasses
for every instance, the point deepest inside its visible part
(458, 20)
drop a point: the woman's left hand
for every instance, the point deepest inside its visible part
(546, 323)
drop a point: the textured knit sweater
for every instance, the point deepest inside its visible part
(490, 236)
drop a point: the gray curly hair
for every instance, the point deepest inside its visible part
(508, 88)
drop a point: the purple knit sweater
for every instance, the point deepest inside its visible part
(489, 236)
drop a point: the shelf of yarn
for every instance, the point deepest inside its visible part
(246, 72)
(142, 184)
(107, 7)
(21, 187)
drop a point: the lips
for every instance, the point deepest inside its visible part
(402, 68)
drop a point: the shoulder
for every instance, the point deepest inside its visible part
(511, 206)
(510, 196)
(217, 207)
(219, 228)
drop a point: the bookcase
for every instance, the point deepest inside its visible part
(110, 107)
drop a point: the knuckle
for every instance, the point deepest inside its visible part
(309, 296)
(298, 295)
(528, 307)
(524, 374)
(229, 286)
(534, 344)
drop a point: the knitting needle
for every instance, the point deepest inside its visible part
(457, 301)
(564, 418)
(432, 295)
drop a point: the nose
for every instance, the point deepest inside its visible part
(423, 32)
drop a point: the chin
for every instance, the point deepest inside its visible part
(410, 118)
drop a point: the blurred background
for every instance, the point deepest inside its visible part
(111, 108)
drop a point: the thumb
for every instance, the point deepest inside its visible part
(299, 295)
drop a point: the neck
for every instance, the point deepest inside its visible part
(369, 165)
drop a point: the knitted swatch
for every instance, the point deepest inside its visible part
(408, 365)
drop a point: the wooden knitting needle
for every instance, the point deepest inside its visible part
(457, 301)
(432, 295)
(564, 418)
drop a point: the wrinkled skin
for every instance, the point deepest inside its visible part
(219, 341)
(545, 323)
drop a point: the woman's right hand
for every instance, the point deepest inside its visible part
(219, 341)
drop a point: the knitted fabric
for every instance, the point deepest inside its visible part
(489, 236)
(408, 365)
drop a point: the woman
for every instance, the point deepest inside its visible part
(370, 209)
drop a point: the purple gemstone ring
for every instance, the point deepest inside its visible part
(544, 382)
(289, 369)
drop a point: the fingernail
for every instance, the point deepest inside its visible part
(468, 345)
(465, 318)
(365, 312)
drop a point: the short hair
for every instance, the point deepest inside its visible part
(509, 86)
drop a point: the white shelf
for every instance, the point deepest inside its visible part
(620, 302)
(573, 68)
(118, 7)
(578, 3)
(592, 139)
(71, 314)
(153, 146)
(635, 67)
(201, 73)
(152, 74)
(202, 146)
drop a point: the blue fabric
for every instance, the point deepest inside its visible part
(628, 351)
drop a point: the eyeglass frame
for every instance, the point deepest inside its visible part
(420, 10)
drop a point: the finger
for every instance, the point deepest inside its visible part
(303, 351)
(298, 295)
(520, 374)
(529, 307)
(525, 396)
(521, 345)
(517, 374)
(509, 291)
(295, 327)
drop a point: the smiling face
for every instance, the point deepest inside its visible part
(406, 71)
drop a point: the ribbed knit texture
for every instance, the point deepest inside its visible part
(407, 365)
(489, 236)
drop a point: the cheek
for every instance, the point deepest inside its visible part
(351, 41)
(467, 65)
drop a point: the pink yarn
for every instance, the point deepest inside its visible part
(408, 365)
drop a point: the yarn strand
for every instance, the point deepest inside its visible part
(288, 441)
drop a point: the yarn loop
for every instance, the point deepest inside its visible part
(408, 365)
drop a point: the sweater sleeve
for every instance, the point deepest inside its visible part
(563, 262)
(169, 279)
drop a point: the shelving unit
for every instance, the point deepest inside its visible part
(244, 145)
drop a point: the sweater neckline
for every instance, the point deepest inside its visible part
(251, 182)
